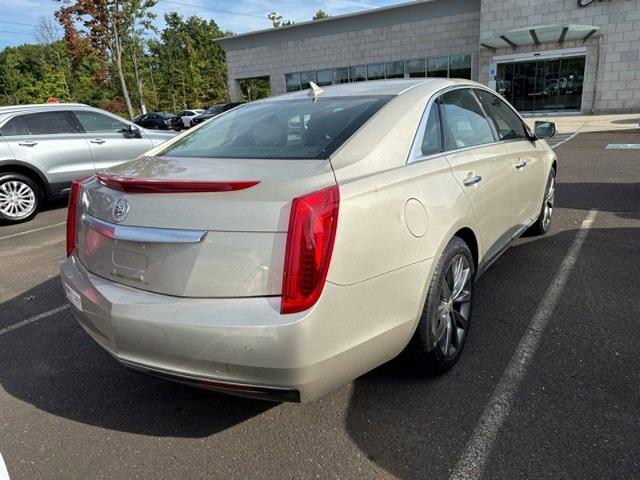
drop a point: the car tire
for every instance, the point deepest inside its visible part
(444, 324)
(543, 222)
(20, 198)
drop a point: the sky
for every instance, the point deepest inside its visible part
(18, 18)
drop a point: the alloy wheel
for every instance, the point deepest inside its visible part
(454, 306)
(17, 199)
(549, 200)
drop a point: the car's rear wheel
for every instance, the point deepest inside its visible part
(19, 197)
(444, 324)
(543, 223)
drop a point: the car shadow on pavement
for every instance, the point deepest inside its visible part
(623, 199)
(414, 426)
(55, 366)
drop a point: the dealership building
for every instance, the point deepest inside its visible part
(542, 55)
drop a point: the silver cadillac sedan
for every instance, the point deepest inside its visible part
(292, 244)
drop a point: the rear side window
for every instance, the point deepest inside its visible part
(432, 139)
(464, 122)
(14, 127)
(507, 123)
(48, 123)
(94, 122)
(285, 129)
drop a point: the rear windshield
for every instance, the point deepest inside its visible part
(285, 129)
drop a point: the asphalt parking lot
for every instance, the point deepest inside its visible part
(566, 405)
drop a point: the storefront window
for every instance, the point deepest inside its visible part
(414, 68)
(460, 66)
(341, 75)
(438, 67)
(293, 82)
(358, 74)
(305, 78)
(395, 69)
(375, 71)
(324, 77)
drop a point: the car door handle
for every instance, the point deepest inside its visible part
(99, 141)
(521, 164)
(28, 143)
(471, 180)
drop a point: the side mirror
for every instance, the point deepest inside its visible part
(132, 132)
(545, 129)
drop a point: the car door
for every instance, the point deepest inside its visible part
(528, 160)
(481, 165)
(49, 142)
(111, 139)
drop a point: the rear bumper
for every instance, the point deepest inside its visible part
(245, 346)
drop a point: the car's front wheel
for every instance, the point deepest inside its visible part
(444, 324)
(543, 223)
(19, 197)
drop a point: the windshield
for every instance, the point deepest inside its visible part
(214, 110)
(286, 129)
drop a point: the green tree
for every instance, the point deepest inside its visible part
(320, 14)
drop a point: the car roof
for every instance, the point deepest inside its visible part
(393, 87)
(40, 106)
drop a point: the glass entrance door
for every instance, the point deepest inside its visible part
(542, 85)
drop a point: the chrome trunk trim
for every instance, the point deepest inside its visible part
(143, 234)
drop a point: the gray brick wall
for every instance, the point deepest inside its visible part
(403, 41)
(617, 85)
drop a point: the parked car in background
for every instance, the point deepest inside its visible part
(266, 256)
(182, 119)
(155, 120)
(213, 111)
(44, 147)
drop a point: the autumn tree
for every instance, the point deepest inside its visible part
(106, 28)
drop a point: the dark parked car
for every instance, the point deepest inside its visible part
(155, 120)
(213, 111)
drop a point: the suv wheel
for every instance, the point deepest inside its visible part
(19, 197)
(444, 324)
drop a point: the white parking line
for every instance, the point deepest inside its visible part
(35, 318)
(476, 453)
(32, 231)
(4, 474)
(571, 137)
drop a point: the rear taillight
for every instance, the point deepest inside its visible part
(72, 213)
(312, 231)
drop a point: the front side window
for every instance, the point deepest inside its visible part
(15, 127)
(94, 122)
(464, 122)
(285, 129)
(507, 123)
(48, 123)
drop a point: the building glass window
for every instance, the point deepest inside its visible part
(305, 78)
(292, 81)
(324, 77)
(460, 66)
(341, 75)
(414, 68)
(375, 71)
(358, 73)
(438, 67)
(395, 69)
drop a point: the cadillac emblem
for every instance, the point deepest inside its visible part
(120, 210)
